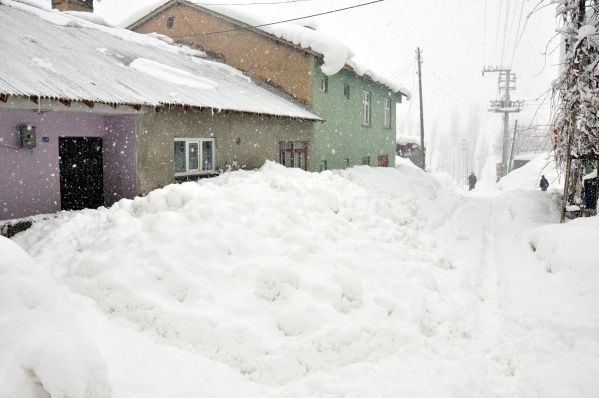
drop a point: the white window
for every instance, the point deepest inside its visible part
(366, 108)
(193, 156)
(294, 154)
(387, 114)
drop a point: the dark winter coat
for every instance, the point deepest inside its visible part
(472, 181)
(544, 184)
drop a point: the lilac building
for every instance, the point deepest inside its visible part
(90, 114)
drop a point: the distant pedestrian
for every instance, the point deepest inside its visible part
(472, 181)
(544, 184)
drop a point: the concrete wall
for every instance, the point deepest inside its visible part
(119, 158)
(342, 135)
(276, 63)
(259, 140)
(30, 185)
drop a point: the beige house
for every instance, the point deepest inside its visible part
(109, 114)
(358, 106)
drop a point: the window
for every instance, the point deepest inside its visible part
(323, 165)
(324, 84)
(387, 114)
(366, 160)
(366, 108)
(383, 161)
(294, 154)
(346, 90)
(193, 156)
(170, 22)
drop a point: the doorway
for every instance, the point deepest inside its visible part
(81, 173)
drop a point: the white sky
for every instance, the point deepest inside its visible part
(456, 39)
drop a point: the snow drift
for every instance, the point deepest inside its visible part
(282, 283)
(42, 350)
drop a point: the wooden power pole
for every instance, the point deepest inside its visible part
(419, 60)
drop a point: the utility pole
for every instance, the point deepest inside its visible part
(465, 160)
(511, 159)
(419, 60)
(506, 83)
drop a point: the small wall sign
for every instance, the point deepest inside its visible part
(45, 139)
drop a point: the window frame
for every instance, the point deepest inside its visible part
(346, 90)
(366, 108)
(382, 160)
(199, 170)
(168, 22)
(324, 84)
(294, 147)
(387, 113)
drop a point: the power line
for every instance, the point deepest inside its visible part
(485, 34)
(457, 83)
(402, 69)
(516, 39)
(497, 30)
(505, 25)
(253, 3)
(283, 21)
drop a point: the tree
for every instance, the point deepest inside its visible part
(576, 132)
(577, 89)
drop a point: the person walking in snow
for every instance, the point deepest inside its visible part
(544, 184)
(472, 181)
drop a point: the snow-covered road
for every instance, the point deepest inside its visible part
(279, 283)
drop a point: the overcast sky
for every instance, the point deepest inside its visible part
(456, 38)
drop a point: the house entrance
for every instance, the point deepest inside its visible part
(81, 173)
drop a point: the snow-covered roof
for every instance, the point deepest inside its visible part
(63, 56)
(408, 139)
(336, 54)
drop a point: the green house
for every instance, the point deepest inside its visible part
(358, 108)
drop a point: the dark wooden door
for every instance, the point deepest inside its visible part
(81, 173)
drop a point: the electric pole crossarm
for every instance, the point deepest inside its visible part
(505, 82)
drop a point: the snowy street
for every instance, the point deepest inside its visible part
(363, 282)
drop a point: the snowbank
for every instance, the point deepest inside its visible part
(277, 273)
(42, 350)
(282, 283)
(529, 175)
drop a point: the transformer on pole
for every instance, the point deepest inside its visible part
(505, 83)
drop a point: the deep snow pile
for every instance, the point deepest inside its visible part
(529, 175)
(42, 349)
(281, 283)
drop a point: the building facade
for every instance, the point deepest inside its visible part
(110, 114)
(359, 113)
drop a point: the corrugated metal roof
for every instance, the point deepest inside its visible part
(52, 55)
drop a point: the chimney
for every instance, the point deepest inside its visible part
(73, 5)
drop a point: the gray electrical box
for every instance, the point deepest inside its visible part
(26, 136)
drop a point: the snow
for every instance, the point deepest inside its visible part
(336, 54)
(281, 283)
(39, 331)
(408, 139)
(590, 176)
(117, 66)
(171, 74)
(529, 175)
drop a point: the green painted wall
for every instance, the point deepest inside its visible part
(342, 135)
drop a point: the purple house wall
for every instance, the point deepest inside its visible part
(30, 184)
